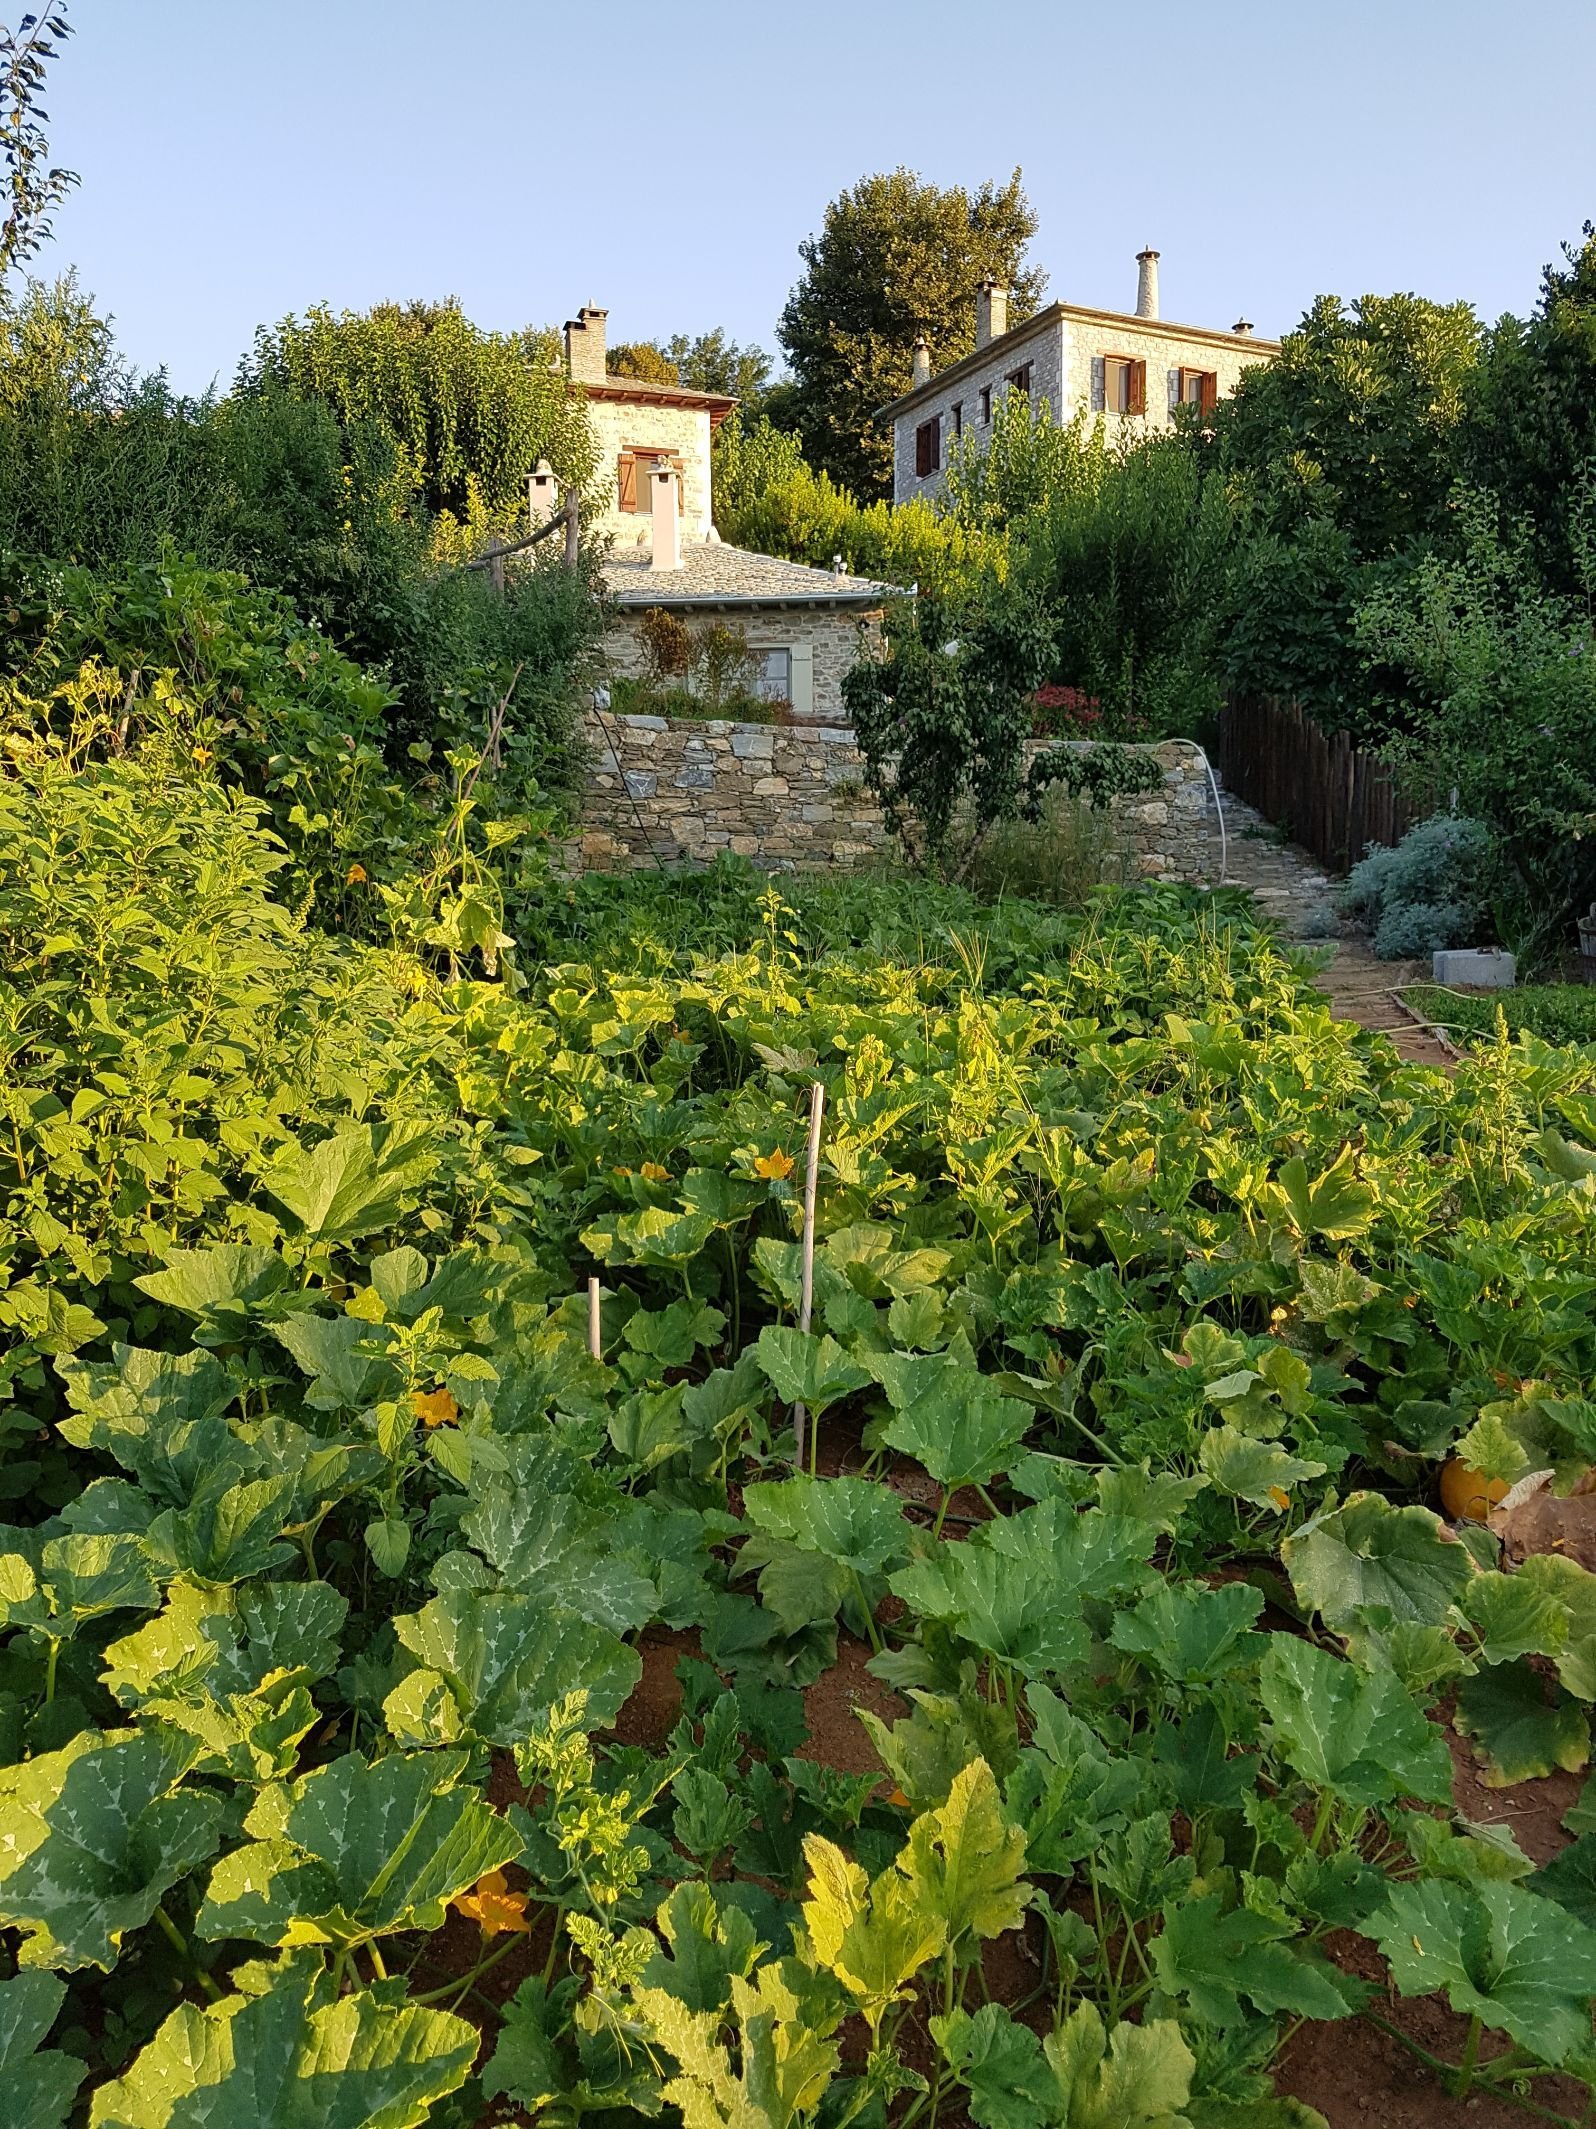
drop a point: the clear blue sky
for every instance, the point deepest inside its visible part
(244, 158)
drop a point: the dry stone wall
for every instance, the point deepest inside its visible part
(793, 797)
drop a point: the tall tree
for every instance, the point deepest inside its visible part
(1530, 434)
(896, 257)
(467, 413)
(715, 363)
(645, 360)
(34, 188)
(1356, 420)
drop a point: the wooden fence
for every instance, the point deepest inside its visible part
(1329, 797)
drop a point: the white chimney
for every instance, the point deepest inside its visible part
(922, 363)
(1242, 328)
(584, 345)
(542, 494)
(667, 545)
(1147, 283)
(991, 312)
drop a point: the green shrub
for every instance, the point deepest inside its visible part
(1560, 1013)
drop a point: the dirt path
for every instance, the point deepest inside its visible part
(1294, 892)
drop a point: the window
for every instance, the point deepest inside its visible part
(1124, 385)
(928, 448)
(1199, 388)
(956, 412)
(1020, 380)
(773, 681)
(632, 470)
(986, 402)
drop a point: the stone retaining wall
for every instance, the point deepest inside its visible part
(792, 797)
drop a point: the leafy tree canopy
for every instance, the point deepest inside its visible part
(1355, 419)
(896, 257)
(33, 188)
(469, 412)
(711, 362)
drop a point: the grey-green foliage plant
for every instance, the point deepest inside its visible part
(1429, 891)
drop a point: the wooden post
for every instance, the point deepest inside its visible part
(806, 1296)
(595, 1342)
(573, 530)
(496, 571)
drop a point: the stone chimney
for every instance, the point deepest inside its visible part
(991, 312)
(666, 552)
(1147, 283)
(542, 494)
(1242, 328)
(922, 363)
(584, 345)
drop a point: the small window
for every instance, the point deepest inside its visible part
(633, 468)
(956, 415)
(928, 448)
(1020, 380)
(1124, 385)
(1200, 389)
(986, 402)
(773, 680)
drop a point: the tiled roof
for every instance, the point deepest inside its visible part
(712, 574)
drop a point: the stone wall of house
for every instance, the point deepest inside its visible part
(793, 798)
(823, 645)
(682, 432)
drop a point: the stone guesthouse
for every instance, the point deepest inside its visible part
(806, 627)
(1128, 367)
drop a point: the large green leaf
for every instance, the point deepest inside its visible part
(804, 1369)
(1499, 1953)
(1333, 1205)
(1190, 1633)
(292, 2058)
(94, 1838)
(556, 1547)
(39, 2082)
(1213, 1958)
(1572, 1589)
(1001, 2066)
(854, 1521)
(356, 1182)
(961, 1430)
(1139, 2080)
(1367, 1554)
(1248, 1469)
(494, 1665)
(964, 1860)
(707, 1944)
(1013, 1609)
(62, 1584)
(1358, 1733)
(221, 1286)
(1570, 1879)
(1520, 1727)
(356, 1851)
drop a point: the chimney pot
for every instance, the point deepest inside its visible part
(991, 312)
(922, 362)
(1242, 327)
(584, 345)
(1147, 283)
(666, 542)
(542, 493)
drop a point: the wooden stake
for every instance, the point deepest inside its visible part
(806, 1299)
(594, 1340)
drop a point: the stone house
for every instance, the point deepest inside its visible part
(806, 627)
(1129, 367)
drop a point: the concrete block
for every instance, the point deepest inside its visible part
(1483, 968)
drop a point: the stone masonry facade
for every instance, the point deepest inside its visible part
(793, 798)
(822, 646)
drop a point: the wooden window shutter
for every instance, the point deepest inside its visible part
(627, 465)
(1208, 392)
(1136, 398)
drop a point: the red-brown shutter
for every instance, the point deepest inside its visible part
(927, 448)
(1137, 402)
(627, 464)
(1208, 392)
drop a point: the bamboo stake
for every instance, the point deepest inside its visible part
(594, 1339)
(806, 1298)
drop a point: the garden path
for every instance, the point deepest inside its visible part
(1294, 891)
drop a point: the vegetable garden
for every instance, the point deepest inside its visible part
(405, 1708)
